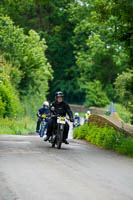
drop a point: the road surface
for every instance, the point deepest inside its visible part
(31, 170)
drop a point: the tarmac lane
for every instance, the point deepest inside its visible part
(30, 169)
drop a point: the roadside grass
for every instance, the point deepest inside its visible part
(106, 137)
(17, 127)
(123, 113)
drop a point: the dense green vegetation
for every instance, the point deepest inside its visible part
(24, 71)
(105, 137)
(123, 112)
(17, 127)
(85, 45)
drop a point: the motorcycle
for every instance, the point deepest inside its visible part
(76, 123)
(44, 123)
(57, 136)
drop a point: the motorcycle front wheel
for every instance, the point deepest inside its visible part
(53, 141)
(42, 132)
(59, 139)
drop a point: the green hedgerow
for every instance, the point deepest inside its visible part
(17, 127)
(125, 146)
(106, 137)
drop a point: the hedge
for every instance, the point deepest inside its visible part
(106, 137)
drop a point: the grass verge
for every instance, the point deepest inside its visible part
(106, 137)
(14, 127)
(123, 113)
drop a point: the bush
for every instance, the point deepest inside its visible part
(124, 114)
(9, 101)
(10, 105)
(106, 137)
(95, 96)
(125, 146)
(14, 127)
(29, 71)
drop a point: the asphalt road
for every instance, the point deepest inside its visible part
(31, 170)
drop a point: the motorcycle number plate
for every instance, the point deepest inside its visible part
(61, 120)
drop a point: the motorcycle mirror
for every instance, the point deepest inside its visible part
(52, 108)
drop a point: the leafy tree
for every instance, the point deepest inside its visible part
(122, 11)
(124, 88)
(87, 40)
(10, 105)
(98, 54)
(95, 96)
(50, 20)
(30, 70)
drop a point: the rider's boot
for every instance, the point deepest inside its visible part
(65, 141)
(46, 138)
(37, 131)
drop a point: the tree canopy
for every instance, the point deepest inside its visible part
(27, 65)
(89, 45)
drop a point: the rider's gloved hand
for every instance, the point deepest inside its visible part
(71, 120)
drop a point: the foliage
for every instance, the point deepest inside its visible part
(122, 11)
(99, 55)
(10, 105)
(124, 87)
(105, 137)
(25, 72)
(124, 90)
(30, 71)
(95, 96)
(88, 41)
(15, 127)
(122, 111)
(50, 20)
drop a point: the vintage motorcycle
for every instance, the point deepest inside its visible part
(44, 124)
(58, 130)
(76, 123)
(57, 136)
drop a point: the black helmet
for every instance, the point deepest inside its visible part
(59, 94)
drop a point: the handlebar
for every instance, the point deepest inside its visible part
(60, 116)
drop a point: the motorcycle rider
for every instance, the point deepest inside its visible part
(76, 119)
(42, 111)
(61, 108)
(87, 115)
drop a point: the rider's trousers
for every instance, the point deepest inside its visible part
(51, 127)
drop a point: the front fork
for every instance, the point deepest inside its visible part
(60, 131)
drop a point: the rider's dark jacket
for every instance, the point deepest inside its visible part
(42, 111)
(62, 109)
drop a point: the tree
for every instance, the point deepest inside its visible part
(30, 70)
(98, 54)
(122, 11)
(87, 40)
(10, 105)
(95, 96)
(50, 20)
(124, 88)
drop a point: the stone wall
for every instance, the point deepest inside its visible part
(112, 122)
(83, 109)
